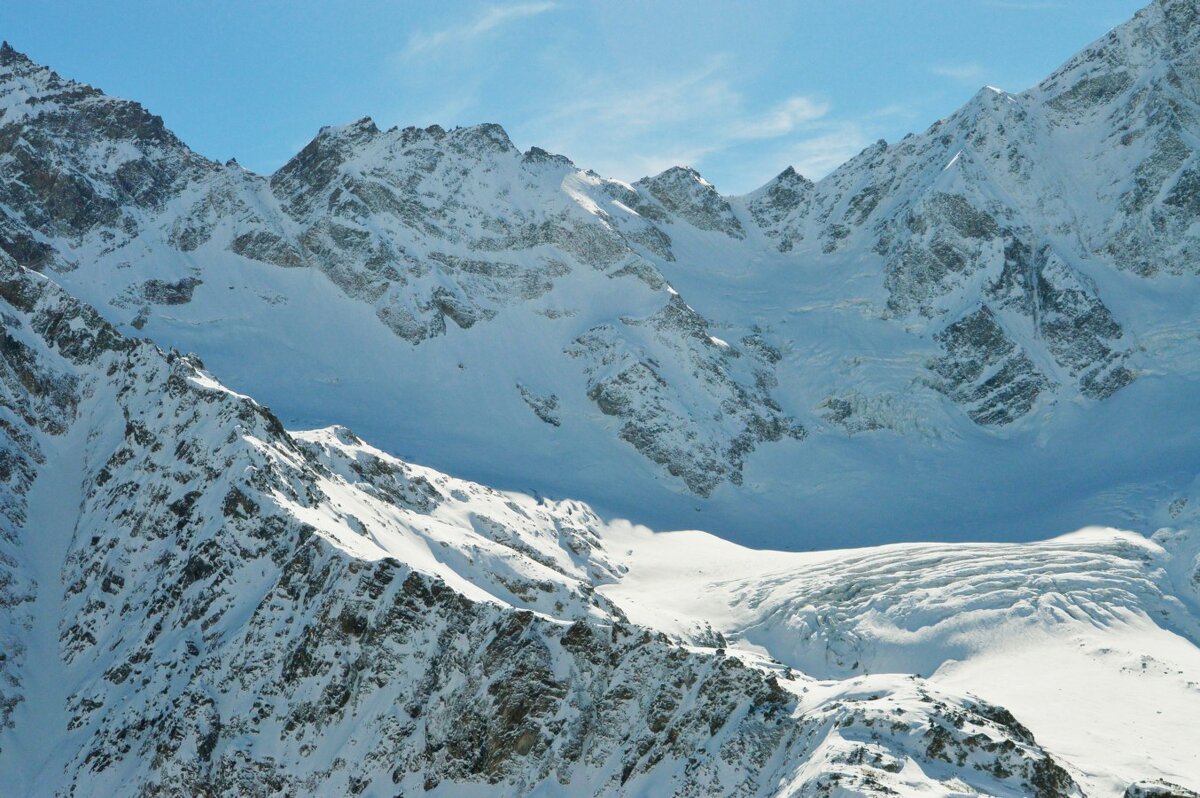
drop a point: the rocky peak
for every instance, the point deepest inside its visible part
(20, 73)
(785, 191)
(681, 190)
(361, 127)
(26, 86)
(411, 135)
(74, 162)
(348, 135)
(784, 197)
(69, 109)
(10, 57)
(319, 162)
(991, 117)
(790, 177)
(540, 156)
(487, 137)
(322, 159)
(1162, 41)
(787, 188)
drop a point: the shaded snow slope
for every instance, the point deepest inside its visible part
(207, 603)
(1001, 306)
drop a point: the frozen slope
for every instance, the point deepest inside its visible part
(211, 604)
(1090, 639)
(998, 307)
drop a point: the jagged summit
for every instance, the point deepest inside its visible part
(539, 155)
(1157, 48)
(364, 126)
(789, 180)
(682, 190)
(677, 173)
(9, 56)
(790, 175)
(24, 81)
(488, 134)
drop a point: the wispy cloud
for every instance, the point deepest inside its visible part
(781, 120)
(892, 110)
(817, 156)
(646, 106)
(489, 20)
(629, 130)
(962, 73)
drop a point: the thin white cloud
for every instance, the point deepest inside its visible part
(487, 21)
(629, 130)
(645, 106)
(782, 119)
(892, 110)
(962, 73)
(819, 155)
(814, 153)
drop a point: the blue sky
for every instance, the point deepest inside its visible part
(738, 90)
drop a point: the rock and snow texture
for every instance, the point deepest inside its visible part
(989, 327)
(203, 603)
(992, 290)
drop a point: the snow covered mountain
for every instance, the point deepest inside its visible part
(987, 330)
(202, 603)
(975, 301)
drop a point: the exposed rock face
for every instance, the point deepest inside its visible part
(544, 407)
(946, 241)
(418, 224)
(684, 194)
(1157, 789)
(383, 214)
(1066, 313)
(785, 196)
(196, 601)
(986, 371)
(977, 206)
(74, 162)
(626, 382)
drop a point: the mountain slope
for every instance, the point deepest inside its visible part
(203, 602)
(221, 607)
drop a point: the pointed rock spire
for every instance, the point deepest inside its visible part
(10, 56)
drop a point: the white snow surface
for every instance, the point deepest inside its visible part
(1088, 638)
